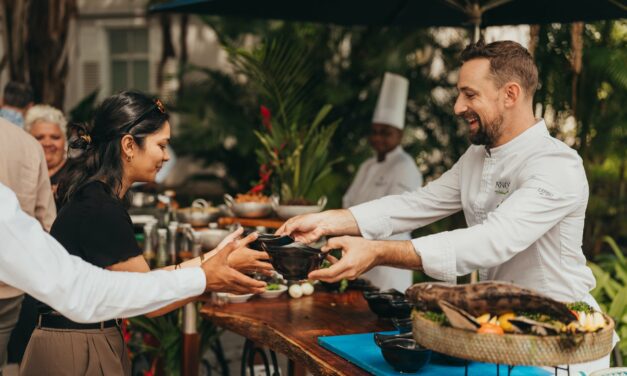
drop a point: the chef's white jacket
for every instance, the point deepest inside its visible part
(524, 203)
(396, 174)
(33, 261)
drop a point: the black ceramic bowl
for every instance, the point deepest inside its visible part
(387, 304)
(379, 338)
(404, 354)
(294, 261)
(402, 325)
(270, 240)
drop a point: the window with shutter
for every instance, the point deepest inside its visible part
(91, 76)
(129, 59)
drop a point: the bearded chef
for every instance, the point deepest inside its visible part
(523, 194)
(390, 171)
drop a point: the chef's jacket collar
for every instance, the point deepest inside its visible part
(539, 129)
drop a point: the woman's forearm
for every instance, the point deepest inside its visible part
(196, 261)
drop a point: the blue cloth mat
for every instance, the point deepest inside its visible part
(361, 350)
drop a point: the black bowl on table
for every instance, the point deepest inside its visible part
(404, 354)
(379, 338)
(294, 261)
(388, 304)
(402, 325)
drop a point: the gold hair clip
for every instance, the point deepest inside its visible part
(86, 138)
(160, 106)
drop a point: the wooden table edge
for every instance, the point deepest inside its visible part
(276, 341)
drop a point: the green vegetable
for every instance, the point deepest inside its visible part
(580, 307)
(273, 287)
(437, 317)
(343, 285)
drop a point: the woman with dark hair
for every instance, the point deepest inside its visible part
(125, 144)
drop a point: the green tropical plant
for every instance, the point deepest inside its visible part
(593, 90)
(611, 289)
(295, 139)
(166, 345)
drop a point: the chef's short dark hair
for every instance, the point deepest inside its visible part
(18, 94)
(508, 61)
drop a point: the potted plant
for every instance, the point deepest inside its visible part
(294, 141)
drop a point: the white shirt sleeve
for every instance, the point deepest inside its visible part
(390, 215)
(36, 263)
(550, 187)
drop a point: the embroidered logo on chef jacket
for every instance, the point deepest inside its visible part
(502, 187)
(544, 192)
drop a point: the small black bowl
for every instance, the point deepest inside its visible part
(388, 304)
(379, 338)
(270, 240)
(404, 354)
(294, 261)
(402, 325)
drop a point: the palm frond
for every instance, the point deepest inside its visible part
(296, 146)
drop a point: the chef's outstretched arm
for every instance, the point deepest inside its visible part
(310, 227)
(360, 255)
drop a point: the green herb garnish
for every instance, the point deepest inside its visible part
(580, 307)
(437, 317)
(273, 287)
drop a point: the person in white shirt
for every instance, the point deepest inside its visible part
(33, 261)
(390, 171)
(523, 193)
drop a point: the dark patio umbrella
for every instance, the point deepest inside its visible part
(408, 12)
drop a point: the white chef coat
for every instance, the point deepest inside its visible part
(524, 203)
(33, 261)
(396, 174)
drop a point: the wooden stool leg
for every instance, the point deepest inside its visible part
(191, 342)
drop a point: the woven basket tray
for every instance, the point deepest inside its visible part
(513, 349)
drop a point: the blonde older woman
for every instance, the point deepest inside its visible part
(48, 126)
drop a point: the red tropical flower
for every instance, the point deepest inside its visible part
(265, 173)
(257, 188)
(266, 117)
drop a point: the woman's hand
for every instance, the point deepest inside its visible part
(221, 277)
(248, 260)
(235, 235)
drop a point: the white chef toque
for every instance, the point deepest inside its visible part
(392, 101)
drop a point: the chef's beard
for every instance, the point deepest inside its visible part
(487, 134)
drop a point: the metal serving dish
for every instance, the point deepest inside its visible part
(248, 209)
(199, 214)
(211, 237)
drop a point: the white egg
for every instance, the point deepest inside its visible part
(307, 288)
(295, 291)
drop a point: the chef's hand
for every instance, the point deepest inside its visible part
(308, 228)
(358, 256)
(247, 260)
(222, 277)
